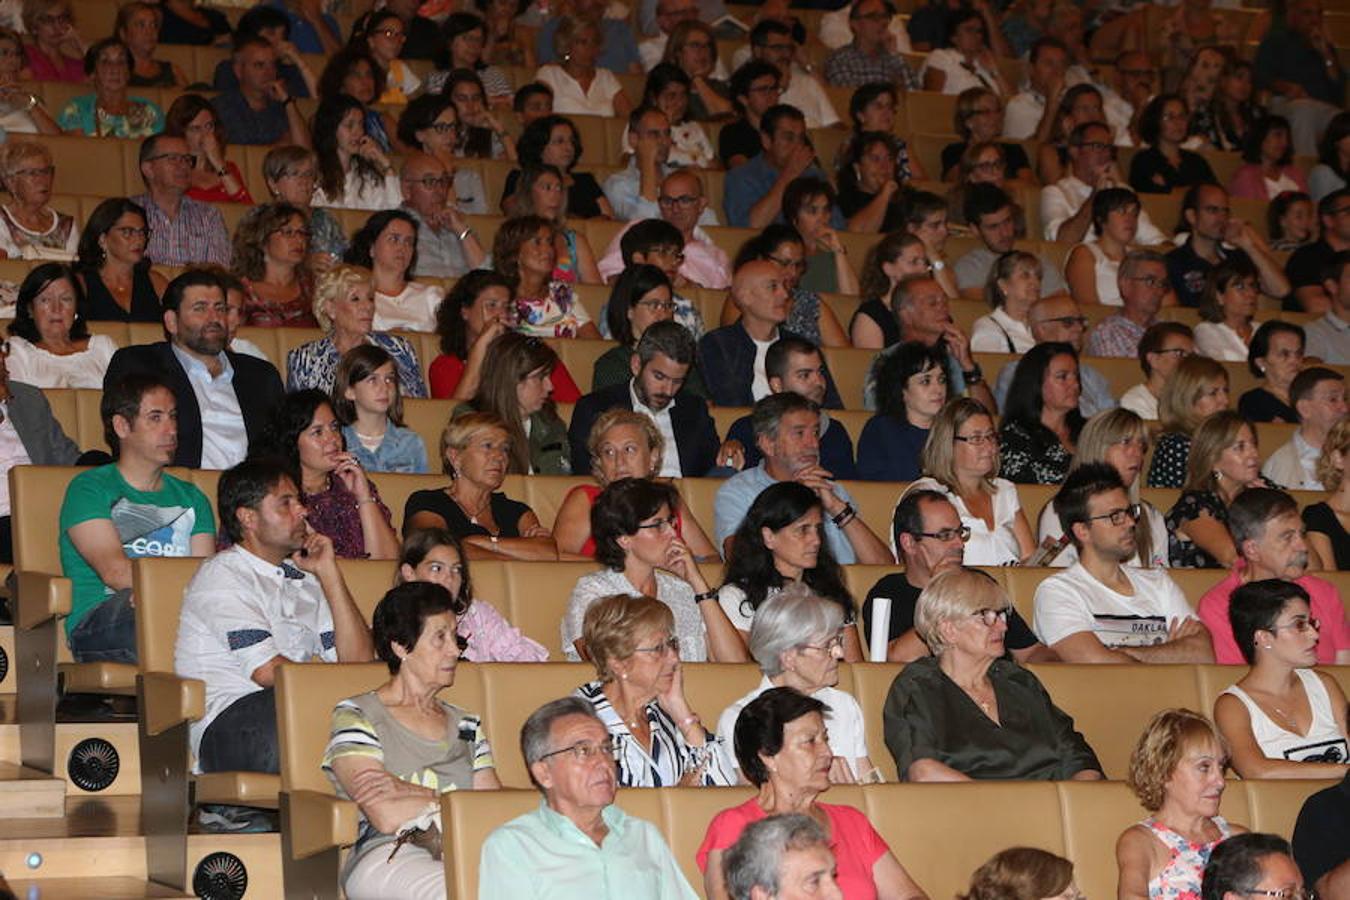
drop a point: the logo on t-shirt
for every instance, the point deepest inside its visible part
(1130, 631)
(1332, 751)
(149, 530)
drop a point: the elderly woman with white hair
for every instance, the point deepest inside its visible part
(967, 713)
(798, 640)
(785, 856)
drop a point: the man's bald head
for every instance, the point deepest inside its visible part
(757, 290)
(1058, 318)
(425, 185)
(681, 200)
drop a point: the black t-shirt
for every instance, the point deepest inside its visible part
(1305, 264)
(1319, 517)
(1321, 838)
(1151, 173)
(853, 200)
(738, 138)
(1260, 405)
(905, 598)
(1187, 272)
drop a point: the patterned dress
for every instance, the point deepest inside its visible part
(1179, 879)
(557, 314)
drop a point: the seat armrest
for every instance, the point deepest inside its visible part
(170, 700)
(320, 822)
(42, 597)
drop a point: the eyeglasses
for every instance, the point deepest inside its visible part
(127, 232)
(664, 306)
(977, 440)
(1118, 516)
(833, 644)
(40, 172)
(946, 535)
(799, 264)
(684, 201)
(584, 751)
(1301, 625)
(659, 524)
(1284, 894)
(670, 645)
(990, 616)
(1099, 146)
(1178, 352)
(187, 159)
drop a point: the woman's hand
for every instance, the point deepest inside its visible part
(368, 148)
(680, 560)
(830, 240)
(673, 701)
(353, 477)
(841, 772)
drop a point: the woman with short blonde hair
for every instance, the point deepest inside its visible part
(1326, 520)
(29, 227)
(1224, 461)
(1198, 387)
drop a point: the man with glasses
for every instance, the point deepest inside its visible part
(1142, 278)
(1253, 866)
(653, 242)
(872, 55)
(577, 845)
(754, 90)
(1329, 334)
(1066, 205)
(1099, 610)
(634, 192)
(260, 110)
(1318, 395)
(183, 231)
(683, 205)
(1212, 235)
(774, 41)
(660, 364)
(995, 218)
(1308, 263)
(1058, 318)
(447, 246)
(1271, 542)
(929, 538)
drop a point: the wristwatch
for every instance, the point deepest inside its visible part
(974, 376)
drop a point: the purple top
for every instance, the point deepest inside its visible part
(334, 512)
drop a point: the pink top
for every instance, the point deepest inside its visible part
(1326, 607)
(705, 263)
(493, 639)
(45, 69)
(1249, 183)
(855, 843)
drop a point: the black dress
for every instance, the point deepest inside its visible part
(505, 512)
(1260, 405)
(1320, 518)
(1151, 173)
(1032, 455)
(877, 311)
(853, 200)
(162, 78)
(101, 307)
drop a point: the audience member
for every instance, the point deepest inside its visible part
(1333, 154)
(683, 206)
(582, 83)
(387, 245)
(1100, 610)
(13, 70)
(1291, 221)
(1013, 287)
(539, 192)
(1141, 283)
(271, 259)
(873, 107)
(215, 178)
(1297, 63)
(261, 109)
(126, 509)
(554, 140)
(1023, 873)
(642, 296)
(1093, 266)
(911, 391)
(1165, 164)
(753, 191)
(889, 261)
(1196, 388)
(1066, 207)
(118, 283)
(668, 89)
(49, 342)
(693, 50)
(466, 37)
(54, 47)
(1228, 308)
(1268, 170)
(1030, 113)
(966, 59)
(1211, 236)
(109, 111)
(1326, 534)
(776, 42)
(992, 214)
(353, 172)
(755, 89)
(926, 218)
(979, 119)
(967, 713)
(368, 402)
(1320, 844)
(270, 24)
(1058, 319)
(290, 173)
(29, 227)
(1273, 627)
(871, 56)
(182, 231)
(1162, 347)
(447, 246)
(788, 855)
(1318, 397)
(515, 386)
(381, 33)
(525, 253)
(808, 315)
(1041, 421)
(1307, 266)
(445, 750)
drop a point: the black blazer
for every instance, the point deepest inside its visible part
(695, 432)
(727, 358)
(256, 384)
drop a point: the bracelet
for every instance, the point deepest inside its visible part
(706, 595)
(842, 518)
(363, 501)
(974, 376)
(465, 233)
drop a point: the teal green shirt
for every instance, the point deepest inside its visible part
(149, 523)
(542, 855)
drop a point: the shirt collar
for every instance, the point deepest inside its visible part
(1305, 450)
(1335, 321)
(192, 364)
(614, 818)
(262, 566)
(639, 406)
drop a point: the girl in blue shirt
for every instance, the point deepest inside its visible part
(368, 402)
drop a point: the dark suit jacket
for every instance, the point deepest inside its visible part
(256, 384)
(727, 357)
(42, 436)
(695, 432)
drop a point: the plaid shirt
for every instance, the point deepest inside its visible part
(850, 67)
(198, 235)
(1115, 336)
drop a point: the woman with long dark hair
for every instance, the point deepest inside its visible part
(554, 140)
(354, 173)
(1332, 171)
(911, 391)
(1041, 420)
(641, 297)
(119, 285)
(1269, 170)
(515, 386)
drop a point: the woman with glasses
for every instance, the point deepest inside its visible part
(49, 342)
(872, 109)
(388, 743)
(982, 162)
(895, 257)
(911, 391)
(1275, 356)
(271, 257)
(214, 178)
(118, 283)
(109, 112)
(387, 245)
(778, 544)
(669, 89)
(540, 192)
(1161, 349)
(784, 750)
(1014, 285)
(1228, 307)
(659, 740)
(966, 60)
(641, 297)
(29, 227)
(969, 713)
(1164, 165)
(465, 37)
(554, 140)
(1176, 771)
(808, 315)
(979, 119)
(24, 113)
(54, 49)
(1118, 438)
(692, 49)
(961, 460)
(1093, 267)
(430, 123)
(382, 34)
(1041, 420)
(633, 524)
(1197, 387)
(1283, 719)
(291, 173)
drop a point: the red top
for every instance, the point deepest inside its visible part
(855, 843)
(447, 369)
(1325, 606)
(217, 194)
(44, 68)
(592, 491)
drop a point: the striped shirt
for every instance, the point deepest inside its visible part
(197, 235)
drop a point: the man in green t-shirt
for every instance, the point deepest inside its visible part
(126, 509)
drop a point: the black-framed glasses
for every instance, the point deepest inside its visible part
(1118, 516)
(127, 232)
(583, 751)
(977, 440)
(946, 534)
(684, 201)
(659, 524)
(989, 615)
(185, 158)
(663, 306)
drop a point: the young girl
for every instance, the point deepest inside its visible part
(1176, 770)
(367, 401)
(1290, 221)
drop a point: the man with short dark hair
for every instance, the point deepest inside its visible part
(1270, 540)
(872, 55)
(753, 192)
(1318, 396)
(224, 399)
(126, 509)
(447, 246)
(1099, 610)
(634, 191)
(1328, 336)
(1213, 236)
(260, 110)
(660, 363)
(991, 212)
(275, 596)
(656, 242)
(929, 538)
(1251, 865)
(683, 206)
(1066, 205)
(1143, 284)
(776, 42)
(1031, 112)
(1307, 265)
(787, 431)
(795, 364)
(180, 231)
(755, 89)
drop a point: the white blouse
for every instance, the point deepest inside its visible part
(959, 78)
(31, 364)
(569, 98)
(1218, 341)
(357, 194)
(990, 334)
(412, 309)
(987, 547)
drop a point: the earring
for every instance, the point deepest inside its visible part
(1267, 646)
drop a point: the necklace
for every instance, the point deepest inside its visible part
(472, 514)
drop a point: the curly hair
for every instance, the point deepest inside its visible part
(450, 314)
(341, 64)
(252, 233)
(897, 368)
(334, 284)
(618, 511)
(1161, 748)
(874, 283)
(612, 624)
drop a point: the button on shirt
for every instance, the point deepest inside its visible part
(543, 855)
(239, 612)
(224, 439)
(12, 453)
(670, 459)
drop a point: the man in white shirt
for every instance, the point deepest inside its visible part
(1329, 334)
(1066, 205)
(1031, 111)
(1098, 611)
(275, 596)
(634, 191)
(1318, 395)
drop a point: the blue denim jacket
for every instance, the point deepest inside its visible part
(401, 450)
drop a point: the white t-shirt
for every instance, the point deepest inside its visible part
(412, 309)
(848, 737)
(807, 94)
(33, 365)
(1140, 401)
(1049, 527)
(959, 78)
(759, 387)
(997, 547)
(1073, 601)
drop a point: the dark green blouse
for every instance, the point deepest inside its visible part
(927, 716)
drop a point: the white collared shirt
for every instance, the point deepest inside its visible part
(670, 459)
(759, 386)
(1061, 200)
(12, 453)
(224, 438)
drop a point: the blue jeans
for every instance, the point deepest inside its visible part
(243, 738)
(107, 633)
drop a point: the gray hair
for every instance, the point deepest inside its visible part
(668, 338)
(537, 732)
(793, 617)
(1137, 259)
(769, 411)
(951, 595)
(756, 859)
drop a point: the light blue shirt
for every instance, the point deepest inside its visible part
(734, 499)
(402, 450)
(543, 855)
(1095, 397)
(624, 190)
(748, 182)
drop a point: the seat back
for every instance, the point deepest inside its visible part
(686, 814)
(545, 494)
(712, 687)
(538, 595)
(37, 490)
(428, 418)
(158, 584)
(511, 692)
(1273, 804)
(468, 817)
(871, 684)
(700, 495)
